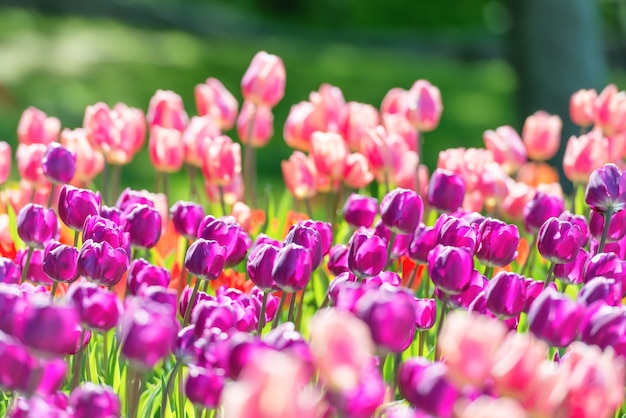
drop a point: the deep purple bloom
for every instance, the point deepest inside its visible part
(360, 210)
(60, 262)
(143, 274)
(183, 303)
(227, 232)
(94, 401)
(478, 283)
(37, 225)
(35, 272)
(310, 239)
(12, 303)
(112, 213)
(617, 225)
(384, 277)
(609, 291)
(264, 239)
(554, 318)
(10, 272)
(401, 211)
(204, 386)
(456, 232)
(100, 229)
(212, 314)
(424, 240)
(102, 263)
(76, 205)
(605, 326)
(205, 259)
(99, 308)
(497, 243)
(533, 289)
(559, 241)
(606, 190)
(446, 190)
(367, 254)
(338, 259)
(335, 286)
(129, 198)
(574, 271)
(579, 220)
(186, 217)
(325, 230)
(240, 250)
(260, 265)
(292, 267)
(143, 223)
(506, 294)
(541, 208)
(160, 294)
(286, 339)
(363, 399)
(17, 365)
(450, 268)
(425, 313)
(606, 265)
(58, 163)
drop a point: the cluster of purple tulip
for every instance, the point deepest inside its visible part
(151, 310)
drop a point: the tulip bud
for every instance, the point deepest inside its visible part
(205, 259)
(559, 241)
(424, 106)
(76, 205)
(542, 135)
(213, 99)
(446, 190)
(58, 163)
(292, 267)
(264, 80)
(94, 401)
(37, 225)
(367, 255)
(98, 308)
(186, 217)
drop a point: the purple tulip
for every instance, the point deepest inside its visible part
(94, 401)
(533, 289)
(58, 163)
(17, 365)
(606, 265)
(160, 294)
(446, 190)
(574, 271)
(37, 225)
(384, 277)
(335, 286)
(224, 230)
(260, 265)
(559, 241)
(143, 274)
(564, 318)
(264, 239)
(205, 259)
(401, 211)
(609, 291)
(617, 226)
(325, 230)
(506, 294)
(292, 267)
(579, 220)
(360, 210)
(541, 208)
(143, 224)
(363, 399)
(390, 314)
(76, 205)
(102, 263)
(98, 308)
(478, 283)
(240, 250)
(12, 304)
(112, 213)
(212, 314)
(425, 386)
(130, 198)
(497, 243)
(338, 259)
(310, 239)
(147, 332)
(367, 254)
(10, 272)
(183, 303)
(606, 190)
(60, 262)
(35, 272)
(186, 217)
(425, 313)
(450, 268)
(286, 339)
(424, 240)
(380, 230)
(605, 326)
(99, 229)
(204, 386)
(456, 232)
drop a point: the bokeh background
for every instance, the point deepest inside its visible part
(494, 61)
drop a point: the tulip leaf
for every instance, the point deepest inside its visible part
(150, 404)
(13, 228)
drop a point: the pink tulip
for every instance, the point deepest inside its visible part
(256, 122)
(328, 102)
(582, 106)
(29, 163)
(356, 118)
(398, 124)
(584, 154)
(89, 162)
(243, 214)
(213, 99)
(35, 127)
(166, 149)
(518, 194)
(617, 146)
(100, 127)
(610, 110)
(166, 109)
(18, 198)
(394, 102)
(468, 343)
(299, 174)
(406, 171)
(546, 392)
(5, 161)
(424, 106)
(329, 152)
(199, 131)
(507, 147)
(300, 125)
(131, 123)
(264, 80)
(357, 174)
(542, 135)
(342, 347)
(222, 161)
(488, 407)
(233, 192)
(376, 146)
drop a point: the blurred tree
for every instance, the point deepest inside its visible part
(556, 50)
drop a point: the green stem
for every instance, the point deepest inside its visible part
(76, 237)
(444, 308)
(193, 187)
(116, 174)
(488, 271)
(550, 275)
(181, 393)
(262, 314)
(222, 201)
(105, 183)
(281, 303)
(51, 195)
(418, 184)
(409, 283)
(166, 184)
(105, 354)
(605, 232)
(53, 291)
(574, 195)
(168, 387)
(192, 301)
(420, 343)
(248, 162)
(531, 252)
(292, 305)
(183, 270)
(157, 181)
(308, 207)
(301, 307)
(87, 366)
(392, 240)
(27, 264)
(78, 363)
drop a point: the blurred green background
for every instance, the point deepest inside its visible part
(64, 55)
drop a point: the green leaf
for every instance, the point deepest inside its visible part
(150, 402)
(13, 228)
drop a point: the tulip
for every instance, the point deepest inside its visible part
(225, 231)
(58, 163)
(186, 217)
(450, 268)
(616, 227)
(401, 211)
(221, 161)
(424, 106)
(264, 80)
(300, 125)
(94, 401)
(255, 125)
(166, 110)
(102, 263)
(310, 239)
(424, 240)
(131, 126)
(497, 243)
(579, 220)
(425, 313)
(607, 265)
(506, 295)
(29, 164)
(37, 225)
(98, 308)
(89, 162)
(329, 152)
(398, 125)
(456, 232)
(60, 262)
(299, 174)
(205, 259)
(362, 400)
(18, 368)
(5, 161)
(478, 284)
(394, 101)
(325, 230)
(112, 214)
(357, 174)
(355, 120)
(604, 325)
(31, 267)
(538, 210)
(507, 148)
(602, 289)
(143, 224)
(204, 387)
(582, 106)
(606, 190)
(610, 110)
(100, 229)
(35, 127)
(260, 265)
(214, 100)
(565, 316)
(166, 149)
(338, 259)
(142, 274)
(574, 271)
(559, 241)
(76, 205)
(199, 132)
(292, 267)
(583, 155)
(446, 190)
(9, 271)
(360, 210)
(542, 135)
(367, 255)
